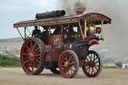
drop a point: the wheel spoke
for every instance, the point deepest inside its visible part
(72, 63)
(37, 55)
(90, 58)
(37, 60)
(36, 50)
(72, 69)
(87, 59)
(97, 61)
(31, 45)
(93, 70)
(63, 62)
(95, 57)
(29, 65)
(68, 72)
(25, 54)
(69, 59)
(66, 58)
(27, 61)
(32, 66)
(89, 69)
(26, 58)
(28, 49)
(36, 64)
(66, 69)
(35, 45)
(96, 68)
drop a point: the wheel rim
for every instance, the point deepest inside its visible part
(30, 56)
(67, 65)
(93, 64)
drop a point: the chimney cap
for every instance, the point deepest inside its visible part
(79, 11)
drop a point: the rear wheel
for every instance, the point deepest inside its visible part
(92, 65)
(31, 53)
(68, 64)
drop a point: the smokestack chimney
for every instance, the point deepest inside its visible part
(79, 7)
(79, 12)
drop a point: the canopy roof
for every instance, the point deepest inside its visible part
(96, 18)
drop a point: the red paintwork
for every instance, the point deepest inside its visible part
(82, 62)
(83, 40)
(55, 54)
(47, 56)
(56, 40)
(30, 56)
(93, 42)
(47, 47)
(79, 11)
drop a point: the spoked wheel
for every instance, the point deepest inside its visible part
(92, 65)
(31, 53)
(55, 69)
(68, 64)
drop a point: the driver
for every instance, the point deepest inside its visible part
(44, 35)
(66, 35)
(36, 32)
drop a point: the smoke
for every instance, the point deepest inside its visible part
(79, 6)
(71, 5)
(116, 40)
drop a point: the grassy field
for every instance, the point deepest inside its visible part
(9, 61)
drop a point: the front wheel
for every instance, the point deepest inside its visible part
(31, 53)
(93, 65)
(68, 64)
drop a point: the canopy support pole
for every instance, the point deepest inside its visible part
(20, 33)
(49, 30)
(25, 32)
(81, 30)
(102, 36)
(106, 30)
(85, 29)
(61, 26)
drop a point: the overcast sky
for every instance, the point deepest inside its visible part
(12, 11)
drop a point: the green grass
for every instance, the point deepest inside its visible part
(9, 61)
(109, 66)
(10, 66)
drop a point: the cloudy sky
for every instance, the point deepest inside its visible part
(12, 11)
